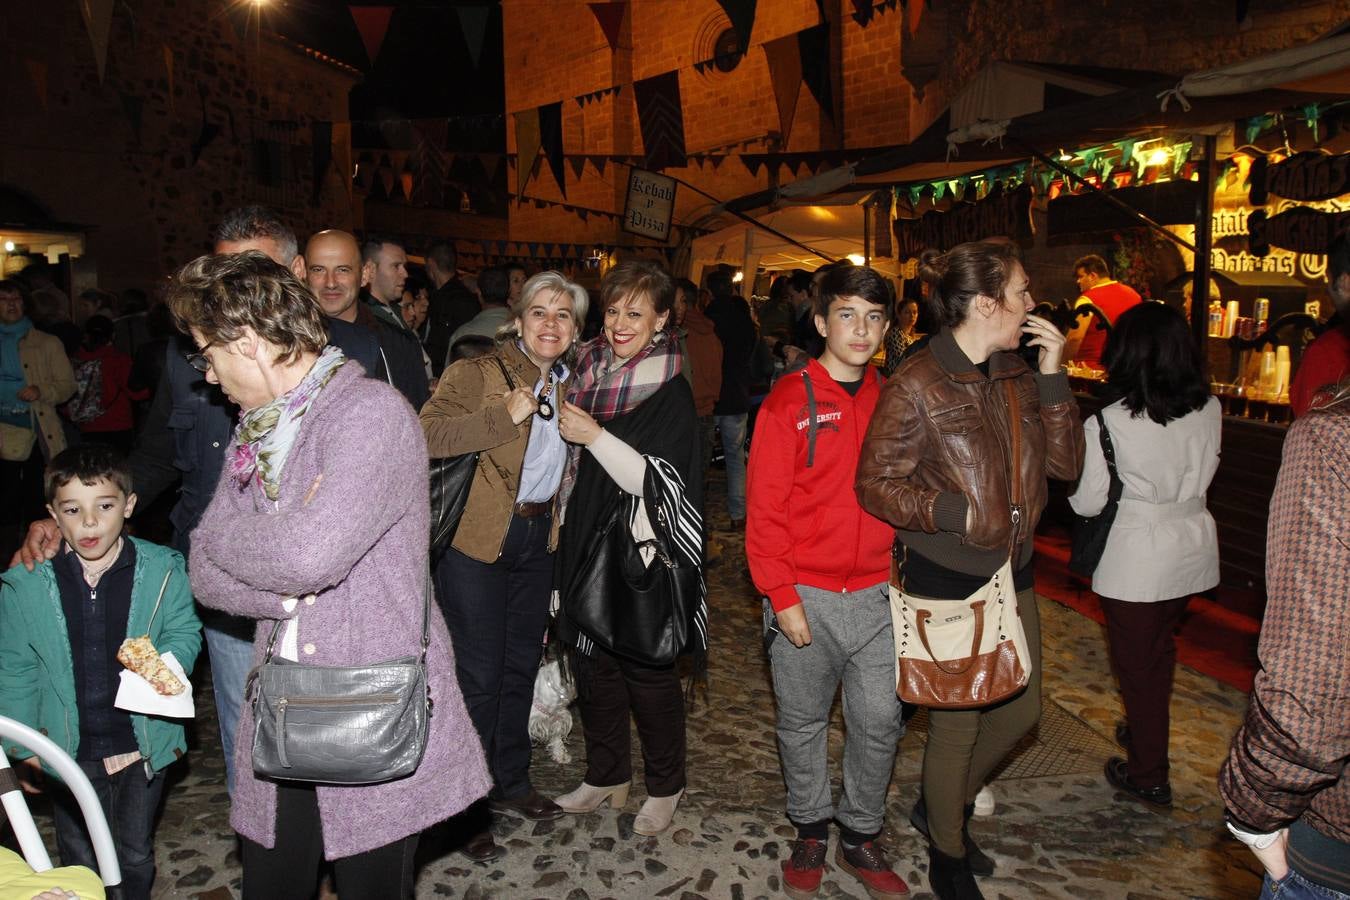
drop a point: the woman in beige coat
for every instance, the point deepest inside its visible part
(35, 376)
(495, 580)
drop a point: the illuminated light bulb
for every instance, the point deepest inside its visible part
(9, 246)
(1158, 157)
(857, 259)
(1065, 157)
(738, 277)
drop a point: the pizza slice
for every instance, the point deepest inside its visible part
(141, 657)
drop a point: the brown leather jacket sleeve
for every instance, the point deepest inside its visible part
(892, 451)
(1063, 428)
(465, 413)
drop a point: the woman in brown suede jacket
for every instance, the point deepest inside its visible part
(495, 580)
(935, 464)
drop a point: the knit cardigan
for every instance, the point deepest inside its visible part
(360, 544)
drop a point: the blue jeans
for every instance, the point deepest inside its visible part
(733, 445)
(1295, 887)
(130, 801)
(497, 613)
(229, 640)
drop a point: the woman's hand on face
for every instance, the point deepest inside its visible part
(1046, 336)
(521, 404)
(577, 426)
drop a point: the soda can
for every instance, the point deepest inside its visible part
(1246, 328)
(1261, 309)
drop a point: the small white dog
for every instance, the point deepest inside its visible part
(550, 716)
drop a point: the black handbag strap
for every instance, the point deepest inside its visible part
(426, 629)
(510, 384)
(1109, 451)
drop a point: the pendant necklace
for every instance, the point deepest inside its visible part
(545, 411)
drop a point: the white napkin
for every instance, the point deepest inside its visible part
(135, 694)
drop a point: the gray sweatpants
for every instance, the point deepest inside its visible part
(850, 642)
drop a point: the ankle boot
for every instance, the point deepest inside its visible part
(589, 798)
(950, 877)
(656, 813)
(980, 862)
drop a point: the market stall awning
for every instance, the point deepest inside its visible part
(833, 229)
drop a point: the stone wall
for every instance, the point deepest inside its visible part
(149, 206)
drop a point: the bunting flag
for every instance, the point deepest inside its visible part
(321, 153)
(37, 71)
(473, 23)
(915, 15)
(785, 74)
(527, 145)
(168, 68)
(862, 12)
(742, 16)
(813, 50)
(599, 162)
(373, 23)
(578, 164)
(551, 140)
(491, 162)
(610, 17)
(132, 108)
(593, 96)
(97, 15)
(661, 119)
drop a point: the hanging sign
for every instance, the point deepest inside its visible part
(1301, 229)
(1007, 215)
(1304, 176)
(650, 205)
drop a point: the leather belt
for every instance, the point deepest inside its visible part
(533, 510)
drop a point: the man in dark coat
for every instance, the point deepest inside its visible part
(735, 328)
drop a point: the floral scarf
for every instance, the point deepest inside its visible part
(607, 391)
(265, 434)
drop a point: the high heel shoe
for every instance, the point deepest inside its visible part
(589, 798)
(656, 813)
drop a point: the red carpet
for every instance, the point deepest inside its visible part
(1215, 638)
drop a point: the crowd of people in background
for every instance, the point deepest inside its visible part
(901, 443)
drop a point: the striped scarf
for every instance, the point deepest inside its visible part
(607, 391)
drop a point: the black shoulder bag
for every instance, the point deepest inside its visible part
(451, 479)
(1090, 532)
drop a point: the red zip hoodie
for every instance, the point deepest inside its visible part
(804, 525)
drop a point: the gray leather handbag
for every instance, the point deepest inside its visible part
(340, 724)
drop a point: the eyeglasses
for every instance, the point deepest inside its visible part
(198, 360)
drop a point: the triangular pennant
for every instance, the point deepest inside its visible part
(534, 248)
(915, 14)
(754, 162)
(742, 16)
(599, 162)
(661, 119)
(610, 17)
(132, 108)
(97, 15)
(373, 23)
(527, 145)
(490, 162)
(486, 246)
(551, 139)
(501, 247)
(168, 68)
(37, 71)
(785, 74)
(813, 52)
(578, 164)
(862, 12)
(703, 66)
(473, 22)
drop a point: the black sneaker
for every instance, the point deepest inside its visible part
(1118, 774)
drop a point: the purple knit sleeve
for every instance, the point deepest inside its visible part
(372, 458)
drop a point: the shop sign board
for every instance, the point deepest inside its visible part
(1309, 175)
(650, 205)
(1004, 215)
(1301, 229)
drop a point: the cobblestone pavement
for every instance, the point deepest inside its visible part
(1058, 830)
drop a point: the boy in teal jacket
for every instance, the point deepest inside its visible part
(61, 626)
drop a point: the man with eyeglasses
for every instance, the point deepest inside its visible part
(183, 441)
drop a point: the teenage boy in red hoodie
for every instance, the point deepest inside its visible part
(824, 565)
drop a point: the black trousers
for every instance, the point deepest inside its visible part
(497, 614)
(291, 868)
(615, 689)
(1142, 642)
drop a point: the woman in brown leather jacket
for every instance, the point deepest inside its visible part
(935, 464)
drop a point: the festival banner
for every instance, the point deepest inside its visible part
(373, 23)
(785, 74)
(97, 15)
(661, 119)
(813, 50)
(551, 139)
(527, 145)
(610, 17)
(742, 16)
(473, 23)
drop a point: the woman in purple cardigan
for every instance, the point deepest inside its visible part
(320, 522)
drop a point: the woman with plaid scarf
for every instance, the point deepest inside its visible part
(635, 456)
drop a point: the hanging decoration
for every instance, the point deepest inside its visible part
(610, 18)
(321, 156)
(785, 74)
(742, 16)
(585, 100)
(551, 140)
(661, 119)
(37, 72)
(1007, 214)
(915, 16)
(473, 24)
(373, 24)
(97, 15)
(813, 49)
(527, 145)
(1306, 176)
